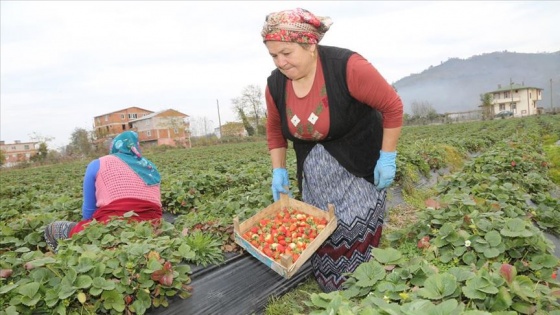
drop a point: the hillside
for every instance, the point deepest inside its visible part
(456, 84)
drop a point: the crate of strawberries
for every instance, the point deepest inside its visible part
(285, 234)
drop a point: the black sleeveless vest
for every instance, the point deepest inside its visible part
(356, 130)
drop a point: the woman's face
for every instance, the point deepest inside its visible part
(294, 61)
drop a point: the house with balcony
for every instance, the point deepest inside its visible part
(111, 124)
(519, 99)
(18, 152)
(166, 127)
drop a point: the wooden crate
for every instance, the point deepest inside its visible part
(286, 268)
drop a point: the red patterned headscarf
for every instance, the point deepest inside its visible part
(298, 26)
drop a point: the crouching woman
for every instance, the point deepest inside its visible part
(115, 184)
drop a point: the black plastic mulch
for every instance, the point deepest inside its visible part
(241, 286)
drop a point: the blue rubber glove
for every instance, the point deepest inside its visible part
(280, 182)
(385, 170)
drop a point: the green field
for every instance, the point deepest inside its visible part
(480, 195)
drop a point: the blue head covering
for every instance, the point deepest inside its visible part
(126, 147)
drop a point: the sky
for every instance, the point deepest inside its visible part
(62, 63)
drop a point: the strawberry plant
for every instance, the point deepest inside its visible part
(487, 213)
(394, 284)
(107, 268)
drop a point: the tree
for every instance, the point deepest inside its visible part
(250, 106)
(245, 121)
(80, 143)
(42, 153)
(37, 137)
(2, 157)
(200, 126)
(486, 100)
(423, 109)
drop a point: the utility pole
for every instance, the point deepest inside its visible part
(219, 119)
(511, 91)
(551, 94)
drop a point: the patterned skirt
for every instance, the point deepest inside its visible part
(359, 209)
(57, 230)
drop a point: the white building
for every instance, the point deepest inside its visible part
(520, 99)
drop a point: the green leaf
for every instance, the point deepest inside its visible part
(113, 263)
(30, 301)
(41, 275)
(419, 306)
(502, 301)
(98, 270)
(95, 291)
(69, 277)
(103, 283)
(477, 287)
(544, 260)
(524, 308)
(138, 250)
(60, 309)
(85, 264)
(130, 214)
(152, 266)
(29, 289)
(469, 258)
(138, 307)
(493, 238)
(387, 256)
(7, 288)
(144, 297)
(446, 254)
(113, 299)
(384, 286)
(11, 310)
(448, 307)
(523, 287)
(83, 282)
(458, 251)
(322, 300)
(66, 292)
(491, 253)
(473, 294)
(125, 235)
(185, 252)
(51, 298)
(515, 227)
(461, 273)
(42, 261)
(368, 274)
(438, 286)
(107, 239)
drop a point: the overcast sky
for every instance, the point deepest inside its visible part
(65, 62)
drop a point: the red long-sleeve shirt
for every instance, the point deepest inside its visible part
(309, 115)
